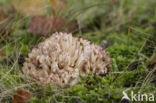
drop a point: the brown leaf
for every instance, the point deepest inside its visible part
(154, 61)
(152, 65)
(29, 8)
(3, 16)
(22, 96)
(59, 5)
(1, 52)
(45, 26)
(2, 56)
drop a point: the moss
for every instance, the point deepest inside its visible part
(127, 51)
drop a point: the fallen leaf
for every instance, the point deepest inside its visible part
(152, 65)
(2, 56)
(3, 16)
(31, 7)
(45, 26)
(59, 6)
(153, 61)
(22, 96)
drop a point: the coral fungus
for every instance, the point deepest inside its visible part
(60, 59)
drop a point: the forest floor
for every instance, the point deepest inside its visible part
(125, 28)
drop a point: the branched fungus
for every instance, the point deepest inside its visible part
(61, 59)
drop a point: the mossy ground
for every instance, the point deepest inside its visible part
(130, 29)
